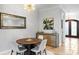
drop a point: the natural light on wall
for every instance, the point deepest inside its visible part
(29, 7)
(70, 15)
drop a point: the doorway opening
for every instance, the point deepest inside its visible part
(72, 28)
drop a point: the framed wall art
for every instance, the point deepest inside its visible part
(48, 23)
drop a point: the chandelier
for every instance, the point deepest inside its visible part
(29, 7)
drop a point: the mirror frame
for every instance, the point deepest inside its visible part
(12, 27)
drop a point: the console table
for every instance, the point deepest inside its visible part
(52, 38)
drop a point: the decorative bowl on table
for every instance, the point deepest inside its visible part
(29, 40)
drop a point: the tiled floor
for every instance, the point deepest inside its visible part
(70, 47)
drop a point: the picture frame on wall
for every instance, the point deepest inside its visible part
(48, 23)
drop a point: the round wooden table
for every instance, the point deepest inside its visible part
(28, 42)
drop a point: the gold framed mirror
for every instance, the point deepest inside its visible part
(10, 21)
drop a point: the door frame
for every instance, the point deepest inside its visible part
(69, 20)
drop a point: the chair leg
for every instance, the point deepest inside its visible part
(40, 52)
(16, 53)
(22, 53)
(12, 52)
(36, 53)
(45, 51)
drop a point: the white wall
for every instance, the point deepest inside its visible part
(56, 13)
(63, 29)
(9, 36)
(34, 20)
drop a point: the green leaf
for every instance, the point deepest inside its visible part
(51, 24)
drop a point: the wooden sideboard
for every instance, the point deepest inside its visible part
(52, 38)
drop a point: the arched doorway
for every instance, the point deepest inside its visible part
(72, 28)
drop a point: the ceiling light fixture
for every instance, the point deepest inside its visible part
(29, 7)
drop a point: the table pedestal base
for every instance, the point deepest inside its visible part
(29, 52)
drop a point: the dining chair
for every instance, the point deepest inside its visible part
(40, 37)
(40, 48)
(20, 49)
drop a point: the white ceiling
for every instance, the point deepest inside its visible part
(70, 7)
(42, 6)
(65, 7)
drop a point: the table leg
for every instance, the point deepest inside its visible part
(28, 49)
(29, 52)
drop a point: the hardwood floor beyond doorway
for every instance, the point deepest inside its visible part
(70, 47)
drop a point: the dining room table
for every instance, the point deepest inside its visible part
(28, 43)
